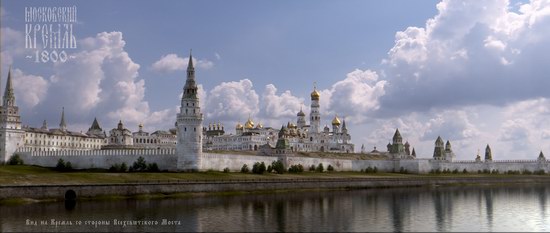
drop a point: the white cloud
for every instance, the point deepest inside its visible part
(471, 52)
(355, 96)
(12, 44)
(172, 62)
(102, 80)
(232, 101)
(30, 89)
(279, 107)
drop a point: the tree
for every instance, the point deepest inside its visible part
(258, 168)
(139, 165)
(278, 166)
(60, 165)
(244, 168)
(330, 168)
(320, 168)
(15, 160)
(153, 167)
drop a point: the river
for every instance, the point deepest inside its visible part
(455, 208)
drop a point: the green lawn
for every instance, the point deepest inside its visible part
(24, 174)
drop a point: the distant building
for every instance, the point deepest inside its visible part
(299, 136)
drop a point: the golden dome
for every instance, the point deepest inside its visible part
(315, 94)
(239, 126)
(249, 124)
(335, 121)
(259, 126)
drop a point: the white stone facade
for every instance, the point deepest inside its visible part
(301, 137)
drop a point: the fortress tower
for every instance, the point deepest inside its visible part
(189, 125)
(11, 134)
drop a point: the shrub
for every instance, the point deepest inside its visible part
(465, 171)
(15, 160)
(153, 167)
(62, 166)
(455, 171)
(226, 170)
(278, 166)
(486, 171)
(258, 168)
(68, 166)
(118, 167)
(330, 168)
(320, 168)
(362, 170)
(369, 170)
(296, 168)
(244, 169)
(312, 168)
(269, 169)
(403, 170)
(527, 172)
(375, 169)
(540, 172)
(495, 171)
(438, 171)
(139, 165)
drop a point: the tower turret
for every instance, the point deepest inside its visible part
(301, 121)
(9, 93)
(488, 154)
(189, 125)
(11, 134)
(62, 124)
(438, 150)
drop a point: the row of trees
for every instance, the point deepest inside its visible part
(140, 165)
(279, 168)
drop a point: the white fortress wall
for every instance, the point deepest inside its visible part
(337, 164)
(165, 158)
(218, 162)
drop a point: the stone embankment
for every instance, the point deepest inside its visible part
(61, 192)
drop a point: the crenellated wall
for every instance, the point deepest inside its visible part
(166, 159)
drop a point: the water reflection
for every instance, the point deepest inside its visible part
(470, 208)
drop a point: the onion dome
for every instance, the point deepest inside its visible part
(301, 113)
(326, 128)
(249, 124)
(315, 94)
(239, 126)
(259, 126)
(335, 121)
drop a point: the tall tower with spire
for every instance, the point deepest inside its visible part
(62, 124)
(315, 116)
(189, 125)
(11, 134)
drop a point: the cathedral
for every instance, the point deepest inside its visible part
(297, 136)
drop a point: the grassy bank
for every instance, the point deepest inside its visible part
(33, 175)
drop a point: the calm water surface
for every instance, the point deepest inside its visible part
(466, 208)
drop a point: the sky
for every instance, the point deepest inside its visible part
(472, 72)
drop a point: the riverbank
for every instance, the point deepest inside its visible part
(28, 183)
